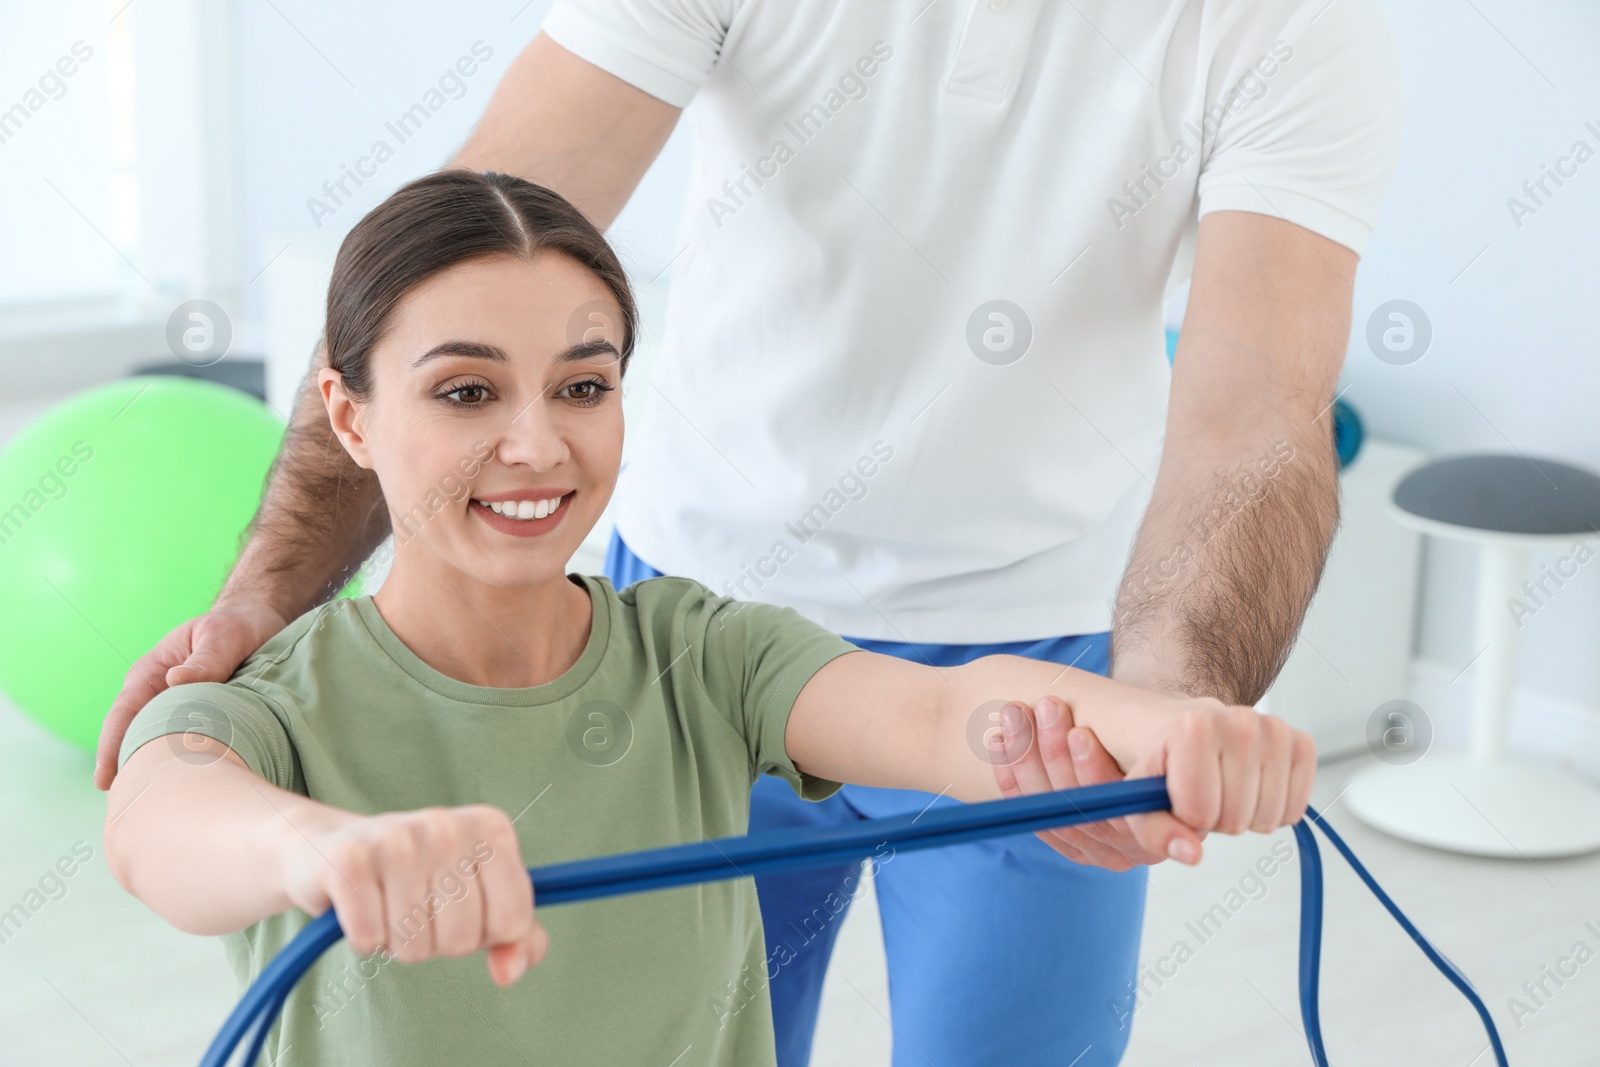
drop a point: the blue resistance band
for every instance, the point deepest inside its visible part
(802, 847)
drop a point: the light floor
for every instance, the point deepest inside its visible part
(1234, 1001)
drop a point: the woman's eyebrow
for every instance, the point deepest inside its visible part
(471, 349)
(478, 350)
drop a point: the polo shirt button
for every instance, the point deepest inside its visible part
(998, 5)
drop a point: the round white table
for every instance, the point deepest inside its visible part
(1487, 801)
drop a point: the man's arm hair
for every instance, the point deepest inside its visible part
(1227, 593)
(554, 119)
(1246, 499)
(320, 516)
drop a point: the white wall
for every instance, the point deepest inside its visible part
(315, 85)
(1493, 91)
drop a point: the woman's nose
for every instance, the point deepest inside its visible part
(530, 438)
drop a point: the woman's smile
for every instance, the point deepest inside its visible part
(523, 512)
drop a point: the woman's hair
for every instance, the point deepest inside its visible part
(434, 223)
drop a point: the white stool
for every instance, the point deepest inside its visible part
(1485, 801)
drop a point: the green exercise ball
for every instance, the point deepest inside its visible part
(121, 511)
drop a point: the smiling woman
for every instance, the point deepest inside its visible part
(405, 380)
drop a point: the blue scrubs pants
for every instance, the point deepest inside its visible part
(1002, 951)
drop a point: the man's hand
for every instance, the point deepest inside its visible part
(1230, 769)
(1066, 757)
(206, 649)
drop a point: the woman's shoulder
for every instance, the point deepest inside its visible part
(298, 662)
(663, 591)
(322, 625)
(669, 604)
(675, 608)
(253, 712)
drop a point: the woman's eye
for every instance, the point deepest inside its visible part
(586, 392)
(470, 394)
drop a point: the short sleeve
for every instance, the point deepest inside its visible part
(755, 658)
(1307, 127)
(230, 713)
(667, 48)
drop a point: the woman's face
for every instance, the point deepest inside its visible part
(494, 422)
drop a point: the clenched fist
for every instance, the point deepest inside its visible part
(419, 884)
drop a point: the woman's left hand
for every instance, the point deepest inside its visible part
(1229, 769)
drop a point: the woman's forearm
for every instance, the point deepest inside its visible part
(878, 720)
(200, 838)
(1125, 718)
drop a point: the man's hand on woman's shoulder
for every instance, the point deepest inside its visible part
(204, 649)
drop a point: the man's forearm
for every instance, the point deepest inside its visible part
(1247, 496)
(320, 517)
(1226, 561)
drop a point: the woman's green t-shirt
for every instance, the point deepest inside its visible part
(653, 737)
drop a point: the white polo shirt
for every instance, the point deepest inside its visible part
(913, 380)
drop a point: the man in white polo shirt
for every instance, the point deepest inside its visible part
(913, 383)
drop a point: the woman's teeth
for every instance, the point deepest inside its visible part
(522, 509)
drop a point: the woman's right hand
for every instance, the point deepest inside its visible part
(441, 881)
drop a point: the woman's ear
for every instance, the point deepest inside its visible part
(345, 415)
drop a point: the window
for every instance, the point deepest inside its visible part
(102, 124)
